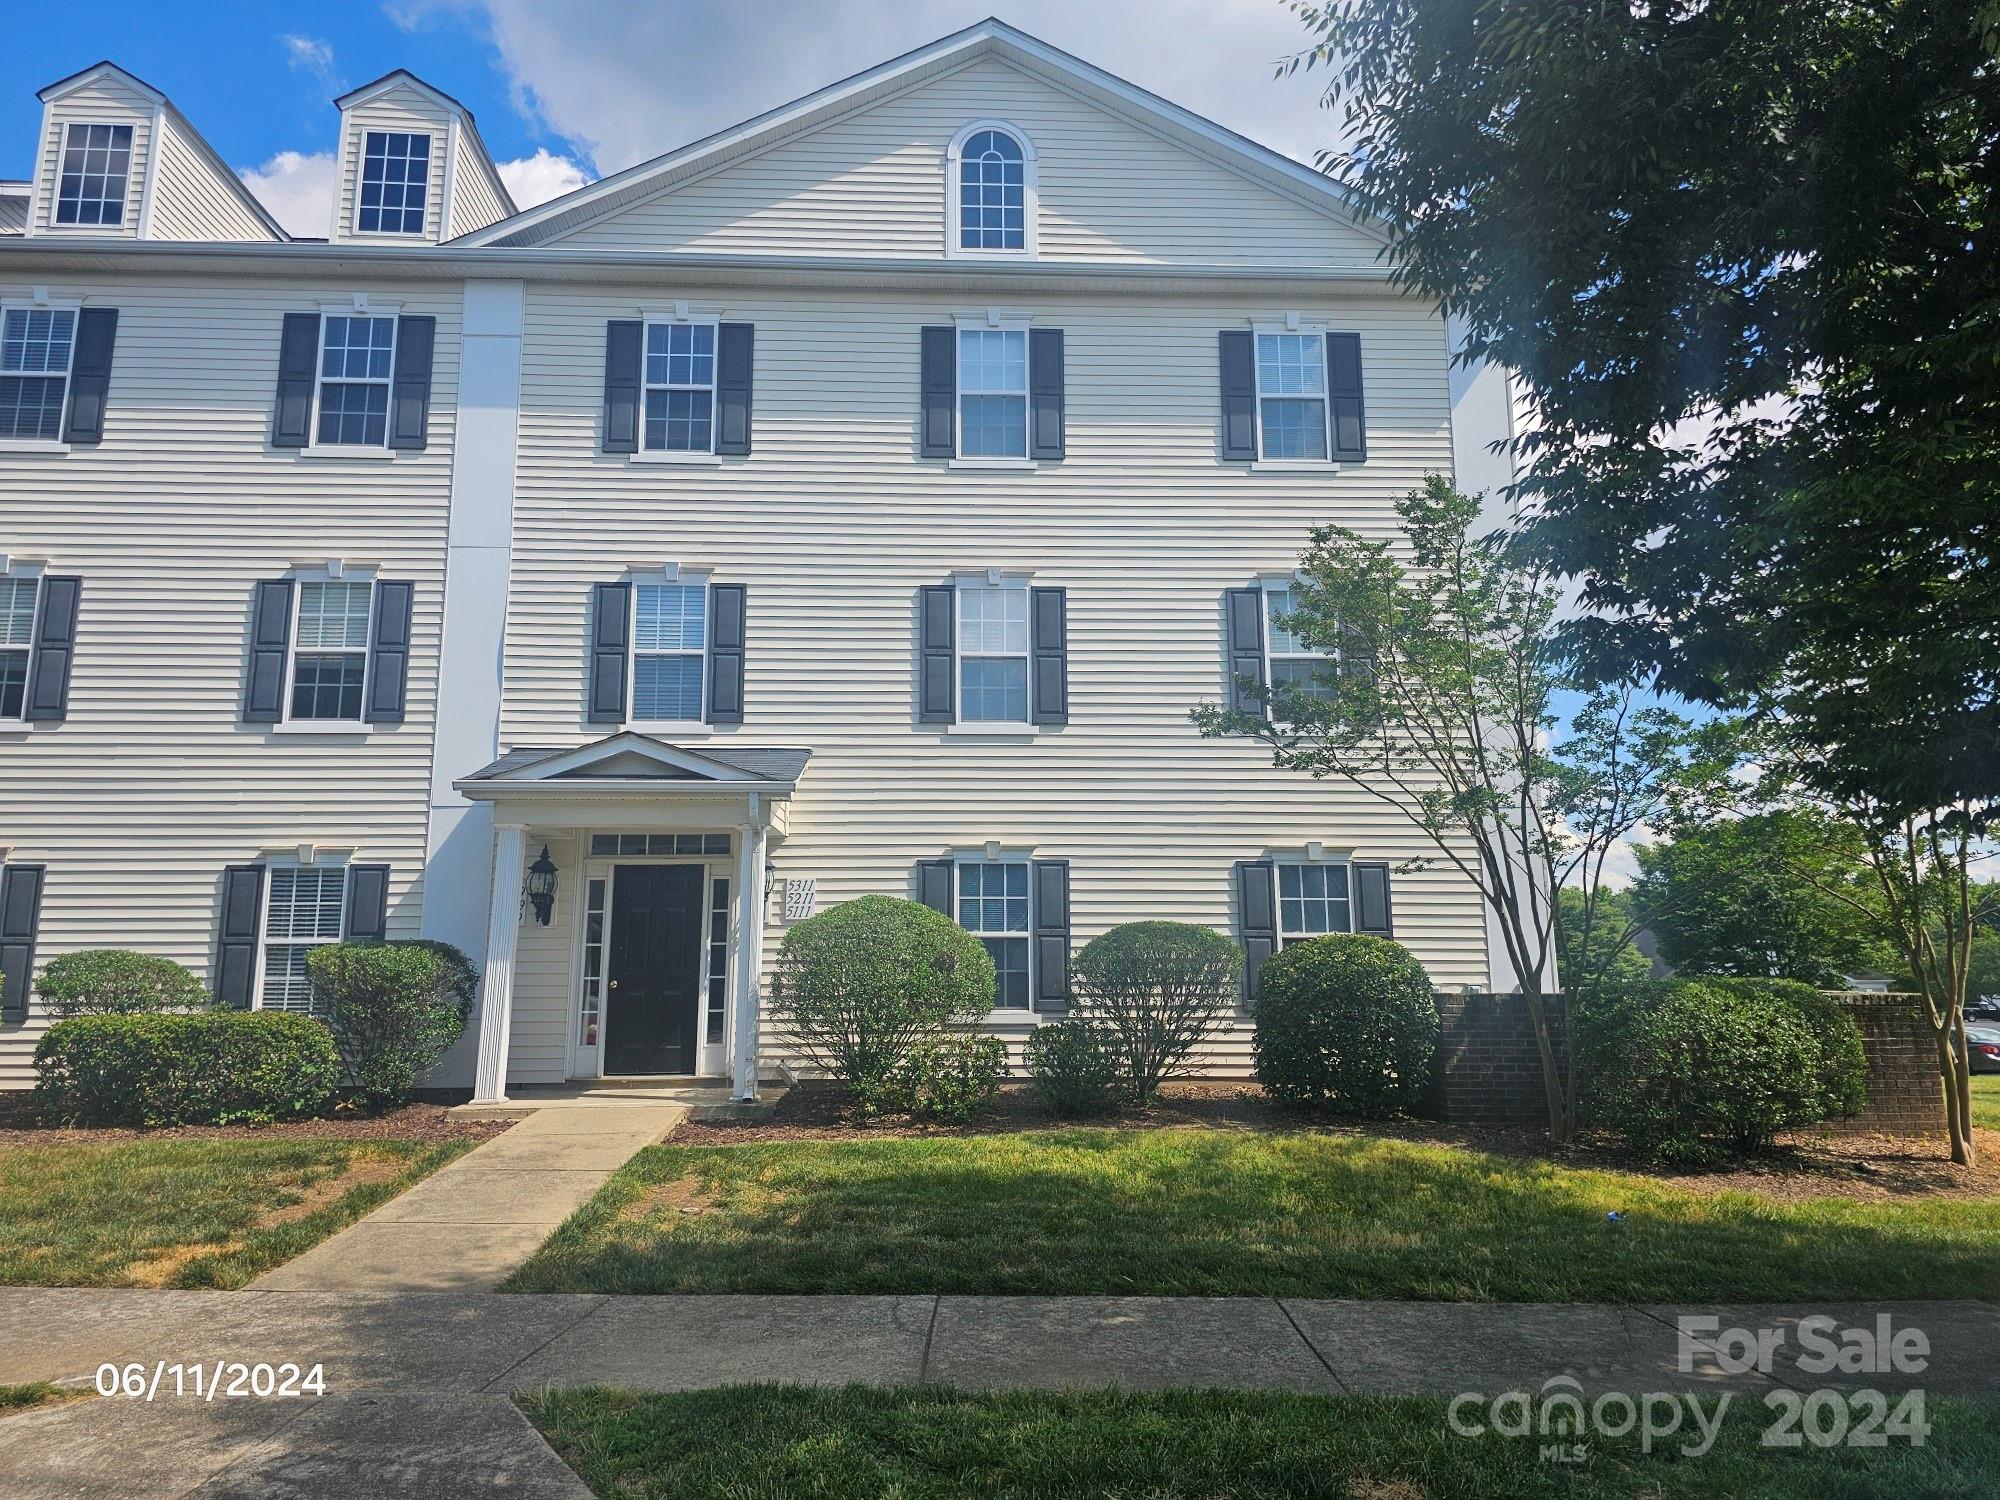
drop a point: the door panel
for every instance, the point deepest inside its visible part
(652, 1001)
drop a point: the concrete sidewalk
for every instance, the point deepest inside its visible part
(418, 1385)
(465, 1228)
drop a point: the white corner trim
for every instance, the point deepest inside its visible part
(144, 227)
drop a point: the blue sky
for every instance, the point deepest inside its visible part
(570, 90)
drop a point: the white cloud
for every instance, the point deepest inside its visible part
(298, 190)
(311, 55)
(538, 178)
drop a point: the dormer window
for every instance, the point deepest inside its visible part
(992, 175)
(395, 175)
(96, 162)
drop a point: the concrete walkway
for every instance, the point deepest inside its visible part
(418, 1385)
(465, 1228)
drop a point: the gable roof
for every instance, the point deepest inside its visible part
(404, 78)
(628, 756)
(990, 38)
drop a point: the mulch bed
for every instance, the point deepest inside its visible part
(412, 1122)
(1808, 1164)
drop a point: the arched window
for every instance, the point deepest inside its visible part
(993, 190)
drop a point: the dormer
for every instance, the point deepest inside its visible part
(116, 160)
(413, 170)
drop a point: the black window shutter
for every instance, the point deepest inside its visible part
(1045, 393)
(622, 338)
(236, 949)
(90, 374)
(940, 393)
(1051, 646)
(55, 649)
(1256, 918)
(936, 692)
(389, 652)
(1343, 387)
(610, 631)
(1051, 887)
(735, 363)
(410, 389)
(725, 653)
(1246, 651)
(1371, 898)
(20, 913)
(934, 884)
(298, 359)
(368, 902)
(1239, 395)
(270, 641)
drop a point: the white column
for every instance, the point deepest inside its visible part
(496, 996)
(749, 957)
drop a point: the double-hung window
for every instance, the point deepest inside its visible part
(1313, 899)
(669, 650)
(37, 345)
(357, 355)
(1291, 395)
(1292, 663)
(304, 906)
(18, 596)
(96, 161)
(993, 653)
(330, 650)
(993, 392)
(680, 387)
(395, 176)
(993, 907)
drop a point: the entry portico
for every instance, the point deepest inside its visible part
(648, 952)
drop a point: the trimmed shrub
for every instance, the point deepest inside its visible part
(1073, 1068)
(117, 981)
(863, 983)
(215, 1067)
(394, 1009)
(952, 1078)
(1157, 989)
(1345, 1022)
(1723, 1066)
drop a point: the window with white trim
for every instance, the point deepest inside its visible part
(18, 597)
(357, 355)
(1290, 661)
(1291, 395)
(37, 345)
(395, 177)
(304, 907)
(669, 650)
(993, 906)
(594, 935)
(993, 648)
(97, 159)
(680, 387)
(992, 392)
(1313, 900)
(330, 635)
(991, 197)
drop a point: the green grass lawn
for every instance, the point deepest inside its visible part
(189, 1212)
(1192, 1445)
(1219, 1212)
(1986, 1101)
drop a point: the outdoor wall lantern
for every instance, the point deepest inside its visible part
(542, 887)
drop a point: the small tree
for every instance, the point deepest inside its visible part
(863, 983)
(117, 981)
(1157, 989)
(394, 1009)
(1437, 700)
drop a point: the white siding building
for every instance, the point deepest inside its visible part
(856, 500)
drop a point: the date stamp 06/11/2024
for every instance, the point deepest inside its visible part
(210, 1380)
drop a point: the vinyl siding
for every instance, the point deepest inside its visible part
(102, 101)
(398, 109)
(189, 203)
(137, 802)
(873, 184)
(474, 202)
(834, 524)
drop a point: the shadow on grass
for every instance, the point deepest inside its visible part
(1191, 1212)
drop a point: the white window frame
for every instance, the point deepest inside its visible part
(649, 320)
(1271, 584)
(359, 307)
(13, 571)
(431, 174)
(56, 224)
(667, 578)
(990, 580)
(300, 578)
(1291, 327)
(338, 863)
(1323, 862)
(954, 158)
(1000, 855)
(991, 321)
(55, 444)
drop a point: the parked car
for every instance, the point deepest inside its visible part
(1982, 1008)
(1983, 1042)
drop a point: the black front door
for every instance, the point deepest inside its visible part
(652, 1005)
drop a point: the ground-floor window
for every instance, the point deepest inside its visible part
(305, 906)
(593, 958)
(718, 961)
(656, 845)
(993, 907)
(1312, 900)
